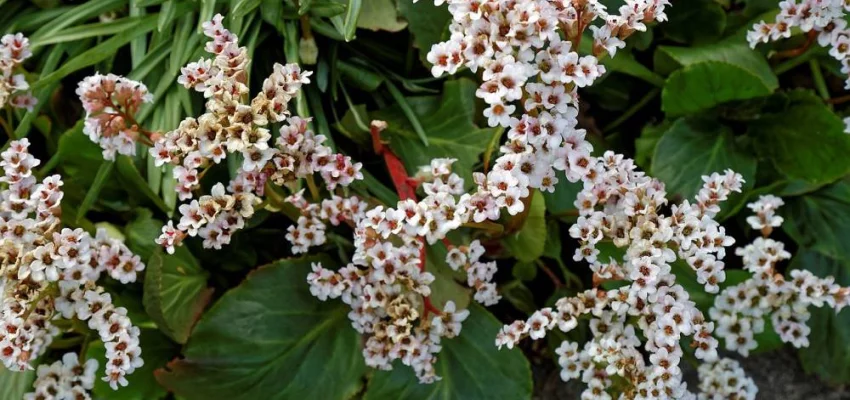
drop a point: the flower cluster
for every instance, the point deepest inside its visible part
(48, 272)
(64, 379)
(527, 51)
(725, 379)
(111, 103)
(14, 49)
(229, 126)
(740, 311)
(386, 284)
(622, 205)
(821, 19)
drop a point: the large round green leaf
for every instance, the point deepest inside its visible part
(804, 141)
(471, 367)
(268, 339)
(707, 84)
(730, 51)
(694, 147)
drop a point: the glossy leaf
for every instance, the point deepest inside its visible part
(692, 148)
(804, 141)
(175, 292)
(732, 52)
(268, 338)
(707, 84)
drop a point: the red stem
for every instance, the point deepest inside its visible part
(406, 189)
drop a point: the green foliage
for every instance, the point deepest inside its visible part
(175, 292)
(684, 99)
(804, 141)
(269, 338)
(460, 364)
(16, 384)
(528, 243)
(694, 147)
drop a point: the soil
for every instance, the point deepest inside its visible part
(778, 375)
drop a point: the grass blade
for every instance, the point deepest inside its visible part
(88, 30)
(351, 16)
(94, 191)
(134, 180)
(408, 112)
(98, 53)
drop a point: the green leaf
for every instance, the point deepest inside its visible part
(79, 159)
(175, 292)
(94, 191)
(73, 15)
(562, 201)
(445, 287)
(141, 232)
(805, 141)
(380, 15)
(730, 52)
(408, 112)
(352, 14)
(694, 147)
(528, 244)
(470, 365)
(426, 22)
(359, 76)
(828, 354)
(820, 221)
(448, 124)
(134, 181)
(157, 351)
(268, 338)
(88, 30)
(708, 15)
(97, 53)
(167, 13)
(707, 84)
(16, 384)
(206, 13)
(241, 8)
(646, 143)
(354, 125)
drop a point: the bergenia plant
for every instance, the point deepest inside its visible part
(400, 243)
